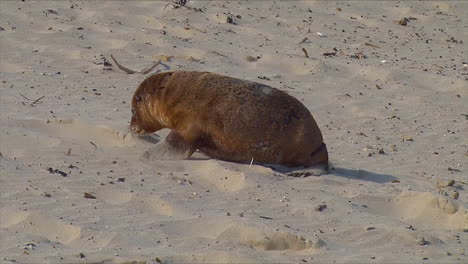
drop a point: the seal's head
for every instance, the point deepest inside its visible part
(146, 117)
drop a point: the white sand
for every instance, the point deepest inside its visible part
(385, 208)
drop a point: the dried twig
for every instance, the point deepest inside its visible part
(34, 101)
(304, 40)
(129, 71)
(371, 45)
(125, 69)
(145, 71)
(305, 52)
(93, 144)
(89, 196)
(38, 99)
(25, 97)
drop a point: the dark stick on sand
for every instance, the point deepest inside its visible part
(129, 71)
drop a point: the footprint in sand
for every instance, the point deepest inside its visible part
(277, 241)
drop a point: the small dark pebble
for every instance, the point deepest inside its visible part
(121, 180)
(89, 196)
(81, 255)
(422, 241)
(452, 169)
(230, 20)
(320, 207)
(328, 54)
(53, 171)
(50, 11)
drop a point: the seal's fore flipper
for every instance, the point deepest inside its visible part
(172, 148)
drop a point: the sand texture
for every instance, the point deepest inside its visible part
(386, 82)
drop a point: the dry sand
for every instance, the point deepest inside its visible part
(391, 101)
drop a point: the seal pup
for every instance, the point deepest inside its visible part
(226, 118)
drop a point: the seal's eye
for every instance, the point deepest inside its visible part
(138, 99)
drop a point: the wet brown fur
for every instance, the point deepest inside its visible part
(228, 119)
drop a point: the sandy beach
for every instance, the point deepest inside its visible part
(386, 82)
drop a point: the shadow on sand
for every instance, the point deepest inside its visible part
(362, 175)
(353, 174)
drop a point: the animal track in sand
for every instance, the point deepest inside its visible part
(157, 205)
(153, 203)
(44, 226)
(26, 139)
(294, 66)
(278, 241)
(220, 175)
(93, 240)
(210, 257)
(424, 208)
(9, 217)
(208, 227)
(381, 236)
(431, 209)
(114, 197)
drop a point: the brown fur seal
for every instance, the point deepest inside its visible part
(228, 119)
